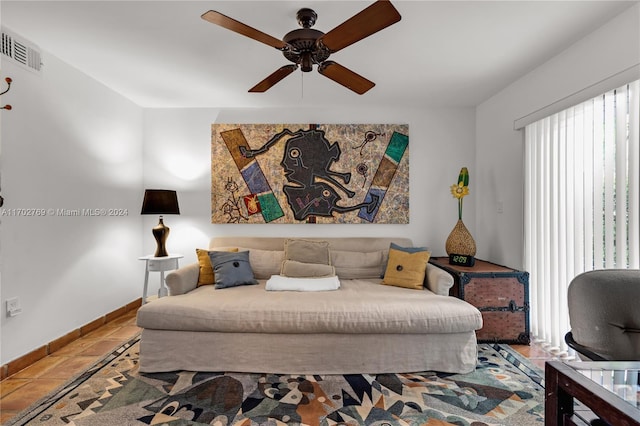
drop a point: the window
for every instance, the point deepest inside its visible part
(582, 208)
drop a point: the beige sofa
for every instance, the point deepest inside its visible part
(363, 327)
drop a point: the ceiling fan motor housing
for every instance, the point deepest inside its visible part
(305, 50)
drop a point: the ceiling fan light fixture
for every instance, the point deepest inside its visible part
(306, 64)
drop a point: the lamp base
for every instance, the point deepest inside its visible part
(161, 233)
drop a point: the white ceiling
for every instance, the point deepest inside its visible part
(442, 53)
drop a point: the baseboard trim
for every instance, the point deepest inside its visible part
(26, 360)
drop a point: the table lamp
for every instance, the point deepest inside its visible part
(160, 201)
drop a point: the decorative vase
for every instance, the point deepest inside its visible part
(460, 241)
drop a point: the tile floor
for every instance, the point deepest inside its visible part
(535, 353)
(27, 386)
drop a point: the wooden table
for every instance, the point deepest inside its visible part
(578, 392)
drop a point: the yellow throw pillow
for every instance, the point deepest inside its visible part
(206, 277)
(406, 269)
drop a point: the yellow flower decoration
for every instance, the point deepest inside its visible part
(461, 189)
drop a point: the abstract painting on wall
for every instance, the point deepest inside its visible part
(310, 173)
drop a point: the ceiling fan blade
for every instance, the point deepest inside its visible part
(374, 18)
(345, 76)
(240, 28)
(273, 79)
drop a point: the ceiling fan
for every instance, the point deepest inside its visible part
(306, 46)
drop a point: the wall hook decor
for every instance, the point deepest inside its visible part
(8, 80)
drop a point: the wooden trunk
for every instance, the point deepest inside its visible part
(500, 293)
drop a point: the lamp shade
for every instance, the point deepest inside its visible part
(160, 201)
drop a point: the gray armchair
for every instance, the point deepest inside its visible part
(604, 311)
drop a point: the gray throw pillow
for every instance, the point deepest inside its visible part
(408, 249)
(231, 269)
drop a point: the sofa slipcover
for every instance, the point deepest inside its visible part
(363, 327)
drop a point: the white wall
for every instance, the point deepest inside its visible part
(500, 149)
(68, 143)
(178, 156)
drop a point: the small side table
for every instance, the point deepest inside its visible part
(499, 292)
(158, 264)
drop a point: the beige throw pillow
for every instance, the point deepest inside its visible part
(356, 264)
(265, 263)
(294, 269)
(307, 251)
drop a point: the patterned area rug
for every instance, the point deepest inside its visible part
(503, 390)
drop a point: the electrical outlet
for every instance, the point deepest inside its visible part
(13, 307)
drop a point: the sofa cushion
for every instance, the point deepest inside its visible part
(265, 263)
(307, 251)
(406, 269)
(359, 306)
(205, 276)
(231, 269)
(357, 264)
(294, 269)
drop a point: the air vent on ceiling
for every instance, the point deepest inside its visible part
(21, 51)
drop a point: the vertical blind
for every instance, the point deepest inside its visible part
(582, 201)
